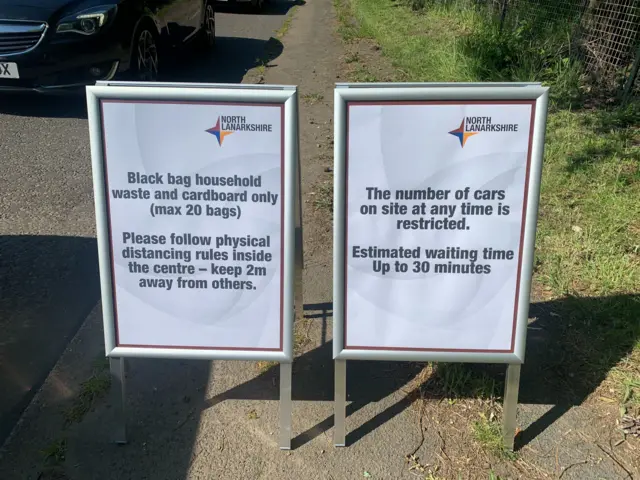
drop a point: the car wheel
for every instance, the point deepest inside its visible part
(209, 27)
(145, 56)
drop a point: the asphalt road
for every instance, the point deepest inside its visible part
(48, 259)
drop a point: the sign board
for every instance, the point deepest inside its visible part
(196, 200)
(436, 199)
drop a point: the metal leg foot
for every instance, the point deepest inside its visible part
(117, 367)
(512, 385)
(340, 403)
(285, 406)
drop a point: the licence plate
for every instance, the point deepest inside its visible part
(9, 70)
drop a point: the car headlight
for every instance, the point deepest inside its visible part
(87, 22)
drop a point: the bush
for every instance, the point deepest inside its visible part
(526, 54)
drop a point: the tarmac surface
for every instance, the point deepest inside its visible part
(48, 258)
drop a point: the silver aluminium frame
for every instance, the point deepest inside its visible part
(380, 92)
(220, 93)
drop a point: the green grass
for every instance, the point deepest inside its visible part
(406, 37)
(588, 242)
(488, 433)
(589, 230)
(459, 380)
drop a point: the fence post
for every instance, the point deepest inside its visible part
(633, 74)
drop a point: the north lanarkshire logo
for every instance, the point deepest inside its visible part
(228, 124)
(218, 132)
(462, 134)
(471, 126)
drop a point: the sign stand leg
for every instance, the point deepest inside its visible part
(340, 403)
(117, 368)
(512, 385)
(285, 406)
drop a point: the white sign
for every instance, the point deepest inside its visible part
(195, 194)
(437, 238)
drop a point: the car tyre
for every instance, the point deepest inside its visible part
(145, 55)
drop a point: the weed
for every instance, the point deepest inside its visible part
(282, 31)
(55, 453)
(262, 67)
(252, 414)
(431, 476)
(91, 391)
(631, 392)
(488, 434)
(352, 57)
(264, 366)
(301, 336)
(312, 98)
(323, 196)
(418, 468)
(363, 75)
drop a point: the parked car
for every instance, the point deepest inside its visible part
(49, 45)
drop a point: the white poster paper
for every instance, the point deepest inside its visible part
(435, 202)
(195, 217)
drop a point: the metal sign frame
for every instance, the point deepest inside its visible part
(287, 97)
(346, 94)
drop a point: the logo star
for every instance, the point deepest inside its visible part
(219, 134)
(461, 134)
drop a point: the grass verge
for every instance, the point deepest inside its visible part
(588, 245)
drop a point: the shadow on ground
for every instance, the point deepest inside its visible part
(572, 345)
(231, 60)
(568, 357)
(48, 285)
(571, 348)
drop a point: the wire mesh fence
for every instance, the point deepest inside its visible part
(604, 34)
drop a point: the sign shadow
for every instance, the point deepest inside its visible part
(572, 344)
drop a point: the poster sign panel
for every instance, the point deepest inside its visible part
(436, 205)
(195, 202)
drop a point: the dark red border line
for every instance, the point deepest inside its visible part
(522, 230)
(109, 229)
